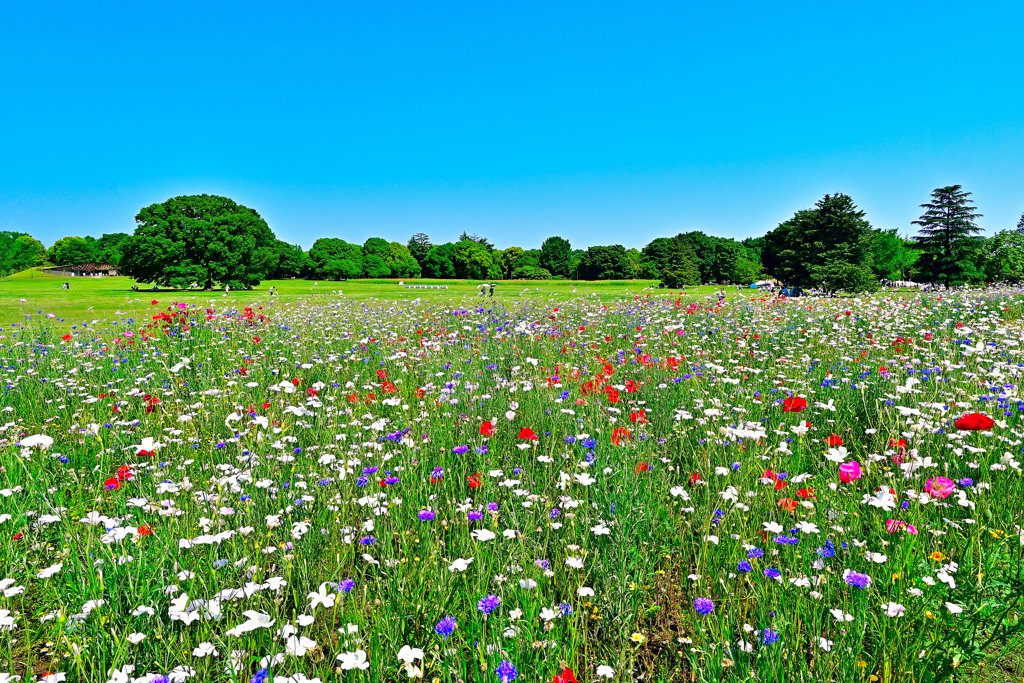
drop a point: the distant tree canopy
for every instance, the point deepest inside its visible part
(203, 239)
(19, 252)
(718, 259)
(556, 257)
(829, 246)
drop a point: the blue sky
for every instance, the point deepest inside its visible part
(604, 123)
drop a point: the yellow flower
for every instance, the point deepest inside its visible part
(637, 638)
(937, 556)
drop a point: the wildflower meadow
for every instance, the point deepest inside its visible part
(663, 487)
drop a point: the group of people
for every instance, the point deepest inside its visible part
(65, 285)
(483, 288)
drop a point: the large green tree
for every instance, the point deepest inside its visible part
(204, 239)
(419, 246)
(556, 256)
(19, 252)
(893, 257)
(828, 246)
(440, 262)
(680, 267)
(401, 262)
(331, 258)
(1003, 257)
(605, 263)
(291, 261)
(946, 236)
(72, 251)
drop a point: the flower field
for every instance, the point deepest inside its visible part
(660, 488)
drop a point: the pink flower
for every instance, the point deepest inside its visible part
(849, 472)
(940, 487)
(894, 525)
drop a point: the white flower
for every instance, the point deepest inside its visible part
(840, 615)
(204, 649)
(353, 660)
(136, 638)
(605, 671)
(143, 609)
(483, 535)
(321, 597)
(460, 565)
(772, 527)
(298, 646)
(954, 608)
(42, 441)
(410, 654)
(548, 614)
(585, 591)
(585, 479)
(600, 529)
(825, 644)
(574, 562)
(50, 571)
(894, 609)
(807, 527)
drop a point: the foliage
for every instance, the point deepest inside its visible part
(1003, 259)
(440, 262)
(19, 252)
(201, 239)
(419, 246)
(291, 261)
(680, 264)
(605, 263)
(893, 257)
(828, 246)
(945, 235)
(556, 256)
(401, 262)
(482, 241)
(473, 261)
(72, 251)
(331, 258)
(531, 273)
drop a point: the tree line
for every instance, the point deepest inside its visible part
(209, 241)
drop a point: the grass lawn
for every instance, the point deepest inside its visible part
(111, 297)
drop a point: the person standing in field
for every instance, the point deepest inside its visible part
(492, 290)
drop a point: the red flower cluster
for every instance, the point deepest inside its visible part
(975, 422)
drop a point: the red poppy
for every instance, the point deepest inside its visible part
(632, 387)
(527, 433)
(694, 478)
(642, 467)
(265, 406)
(638, 417)
(834, 440)
(353, 398)
(586, 388)
(311, 392)
(608, 369)
(154, 302)
(975, 422)
(566, 676)
(487, 428)
(788, 504)
(66, 337)
(296, 381)
(806, 493)
(257, 340)
(382, 374)
(420, 393)
(897, 443)
(370, 398)
(794, 404)
(620, 434)
(474, 481)
(145, 530)
(613, 394)
(388, 387)
(124, 472)
(111, 484)
(18, 537)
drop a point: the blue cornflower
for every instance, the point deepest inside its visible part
(445, 627)
(460, 450)
(367, 540)
(427, 515)
(493, 507)
(260, 676)
(856, 579)
(704, 605)
(772, 573)
(554, 513)
(828, 551)
(370, 470)
(755, 552)
(506, 672)
(588, 443)
(769, 636)
(744, 567)
(488, 603)
(347, 585)
(474, 515)
(362, 481)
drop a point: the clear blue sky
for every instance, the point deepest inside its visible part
(602, 122)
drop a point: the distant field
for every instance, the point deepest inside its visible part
(103, 298)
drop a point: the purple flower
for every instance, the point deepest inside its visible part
(437, 473)
(427, 515)
(493, 507)
(460, 450)
(367, 540)
(856, 579)
(390, 481)
(506, 672)
(474, 515)
(772, 573)
(755, 552)
(445, 627)
(704, 605)
(488, 603)
(744, 567)
(370, 470)
(347, 585)
(769, 636)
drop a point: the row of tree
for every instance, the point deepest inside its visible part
(210, 241)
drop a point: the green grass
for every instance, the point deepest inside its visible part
(110, 298)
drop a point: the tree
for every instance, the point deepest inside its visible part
(201, 238)
(377, 246)
(291, 261)
(19, 252)
(400, 261)
(892, 256)
(605, 263)
(828, 246)
(1004, 257)
(531, 273)
(1020, 223)
(419, 246)
(508, 260)
(680, 264)
(72, 251)
(472, 261)
(556, 256)
(482, 241)
(438, 263)
(946, 228)
(108, 248)
(374, 267)
(335, 259)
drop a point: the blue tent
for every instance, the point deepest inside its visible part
(754, 286)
